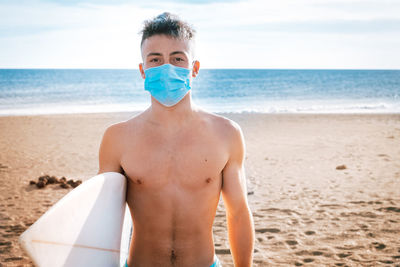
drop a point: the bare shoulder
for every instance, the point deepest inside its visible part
(230, 134)
(115, 134)
(114, 129)
(229, 129)
(112, 145)
(120, 129)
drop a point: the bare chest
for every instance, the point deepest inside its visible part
(189, 160)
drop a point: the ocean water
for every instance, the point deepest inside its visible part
(55, 91)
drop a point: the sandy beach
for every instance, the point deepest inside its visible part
(307, 212)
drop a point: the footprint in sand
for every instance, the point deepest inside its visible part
(362, 203)
(222, 251)
(267, 230)
(344, 255)
(372, 235)
(382, 155)
(378, 245)
(309, 232)
(389, 209)
(13, 259)
(5, 250)
(386, 261)
(317, 253)
(3, 166)
(332, 206)
(307, 221)
(291, 242)
(5, 247)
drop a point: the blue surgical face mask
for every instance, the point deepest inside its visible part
(168, 84)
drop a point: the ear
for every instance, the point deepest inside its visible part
(196, 67)
(142, 71)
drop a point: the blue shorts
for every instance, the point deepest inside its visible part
(216, 262)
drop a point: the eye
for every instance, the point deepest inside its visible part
(179, 59)
(154, 60)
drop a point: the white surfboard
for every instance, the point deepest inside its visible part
(90, 226)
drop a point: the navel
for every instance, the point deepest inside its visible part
(139, 181)
(208, 180)
(173, 257)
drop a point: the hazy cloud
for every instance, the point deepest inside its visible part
(254, 33)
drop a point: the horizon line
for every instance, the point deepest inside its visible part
(22, 68)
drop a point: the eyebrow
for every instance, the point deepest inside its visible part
(177, 52)
(153, 54)
(171, 54)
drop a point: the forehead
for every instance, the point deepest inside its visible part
(165, 45)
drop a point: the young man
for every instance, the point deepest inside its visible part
(177, 160)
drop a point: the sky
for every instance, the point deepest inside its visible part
(272, 34)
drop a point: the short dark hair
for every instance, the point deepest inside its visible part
(169, 25)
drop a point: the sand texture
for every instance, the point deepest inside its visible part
(324, 189)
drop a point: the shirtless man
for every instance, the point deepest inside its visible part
(177, 160)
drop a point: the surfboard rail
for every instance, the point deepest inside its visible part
(90, 226)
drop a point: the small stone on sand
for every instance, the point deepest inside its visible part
(341, 167)
(76, 183)
(43, 179)
(40, 184)
(52, 180)
(64, 185)
(47, 179)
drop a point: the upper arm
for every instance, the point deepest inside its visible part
(110, 150)
(234, 191)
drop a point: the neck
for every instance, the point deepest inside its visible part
(171, 117)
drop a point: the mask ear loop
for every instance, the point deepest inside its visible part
(193, 62)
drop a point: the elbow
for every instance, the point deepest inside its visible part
(239, 213)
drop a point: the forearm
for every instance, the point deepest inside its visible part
(241, 237)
